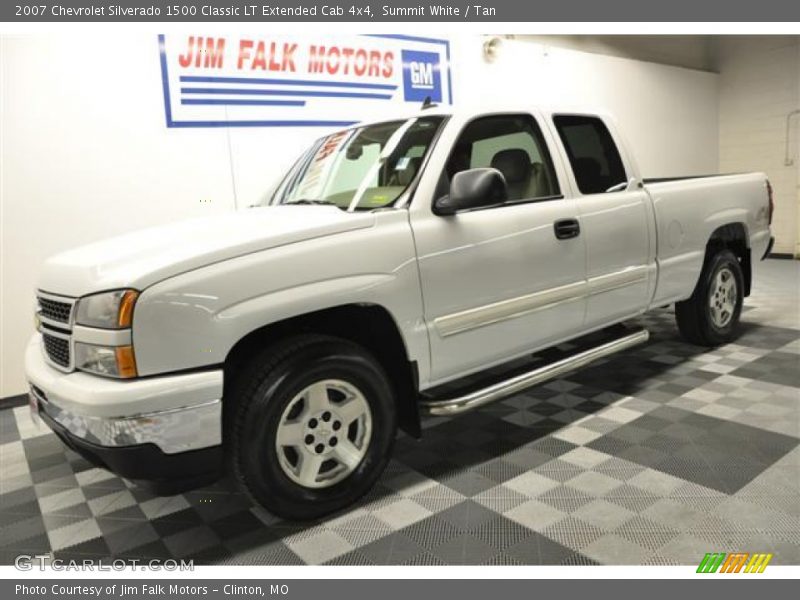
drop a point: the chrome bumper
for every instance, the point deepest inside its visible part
(176, 413)
(173, 431)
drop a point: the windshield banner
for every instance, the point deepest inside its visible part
(247, 81)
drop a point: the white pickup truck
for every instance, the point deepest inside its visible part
(285, 344)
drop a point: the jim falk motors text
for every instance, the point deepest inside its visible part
(285, 57)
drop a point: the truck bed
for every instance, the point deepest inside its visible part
(651, 180)
(688, 210)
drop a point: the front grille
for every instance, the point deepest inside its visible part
(55, 326)
(57, 349)
(55, 310)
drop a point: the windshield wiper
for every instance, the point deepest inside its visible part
(309, 201)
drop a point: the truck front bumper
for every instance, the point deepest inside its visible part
(166, 430)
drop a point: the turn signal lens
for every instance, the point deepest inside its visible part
(107, 310)
(126, 304)
(126, 362)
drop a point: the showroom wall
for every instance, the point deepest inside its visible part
(668, 114)
(689, 51)
(86, 154)
(759, 86)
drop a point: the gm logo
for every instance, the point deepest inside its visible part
(421, 76)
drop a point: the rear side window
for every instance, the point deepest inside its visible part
(592, 153)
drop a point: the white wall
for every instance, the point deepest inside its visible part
(689, 51)
(85, 153)
(759, 85)
(668, 114)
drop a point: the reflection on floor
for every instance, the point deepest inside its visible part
(655, 456)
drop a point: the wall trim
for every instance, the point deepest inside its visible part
(13, 401)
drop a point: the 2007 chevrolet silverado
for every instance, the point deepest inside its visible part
(286, 343)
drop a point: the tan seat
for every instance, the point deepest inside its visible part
(540, 185)
(514, 164)
(524, 180)
(406, 176)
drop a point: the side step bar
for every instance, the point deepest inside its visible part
(481, 397)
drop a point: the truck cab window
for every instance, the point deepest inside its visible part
(592, 153)
(513, 145)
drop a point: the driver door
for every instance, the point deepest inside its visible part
(500, 281)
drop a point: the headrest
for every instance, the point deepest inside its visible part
(405, 176)
(514, 164)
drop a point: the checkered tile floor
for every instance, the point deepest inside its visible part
(655, 456)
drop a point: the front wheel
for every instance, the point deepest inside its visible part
(710, 317)
(314, 426)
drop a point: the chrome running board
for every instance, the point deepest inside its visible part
(503, 389)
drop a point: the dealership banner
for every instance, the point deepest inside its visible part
(215, 80)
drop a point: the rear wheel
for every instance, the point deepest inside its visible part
(710, 317)
(314, 426)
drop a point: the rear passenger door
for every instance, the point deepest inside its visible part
(616, 220)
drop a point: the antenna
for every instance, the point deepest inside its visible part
(428, 103)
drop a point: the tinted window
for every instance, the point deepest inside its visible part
(513, 145)
(592, 153)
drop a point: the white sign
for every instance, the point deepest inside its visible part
(292, 81)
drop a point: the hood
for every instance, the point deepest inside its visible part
(142, 258)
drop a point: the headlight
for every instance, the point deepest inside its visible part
(109, 310)
(117, 361)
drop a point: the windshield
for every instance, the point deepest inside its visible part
(362, 168)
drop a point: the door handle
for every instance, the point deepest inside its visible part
(567, 228)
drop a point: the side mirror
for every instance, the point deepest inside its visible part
(475, 188)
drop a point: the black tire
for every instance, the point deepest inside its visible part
(266, 388)
(698, 322)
